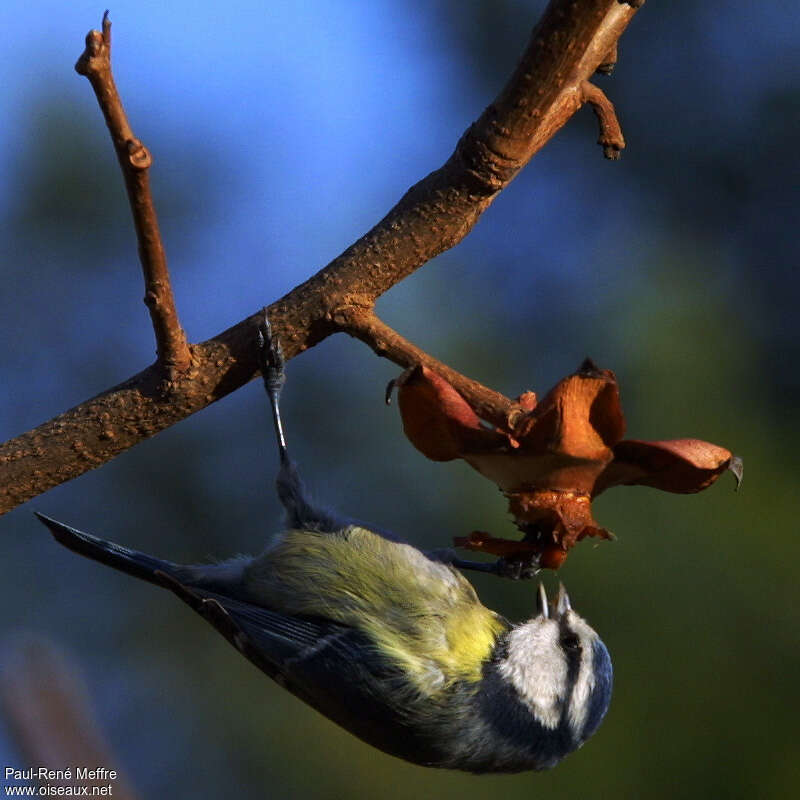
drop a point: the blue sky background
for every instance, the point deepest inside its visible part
(281, 132)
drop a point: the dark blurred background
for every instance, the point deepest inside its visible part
(280, 133)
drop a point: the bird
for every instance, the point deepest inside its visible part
(388, 641)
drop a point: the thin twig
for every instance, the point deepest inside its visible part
(365, 325)
(135, 160)
(611, 137)
(565, 49)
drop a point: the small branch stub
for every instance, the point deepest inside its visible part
(138, 155)
(611, 137)
(134, 160)
(609, 61)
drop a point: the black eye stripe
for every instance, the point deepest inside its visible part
(570, 641)
(571, 645)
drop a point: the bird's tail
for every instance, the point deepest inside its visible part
(140, 565)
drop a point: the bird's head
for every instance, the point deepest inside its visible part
(560, 669)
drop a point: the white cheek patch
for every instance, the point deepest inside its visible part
(584, 683)
(537, 668)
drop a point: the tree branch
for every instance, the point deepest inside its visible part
(135, 160)
(566, 47)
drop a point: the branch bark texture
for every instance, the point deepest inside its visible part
(567, 46)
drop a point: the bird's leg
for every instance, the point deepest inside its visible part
(504, 568)
(270, 358)
(515, 569)
(301, 513)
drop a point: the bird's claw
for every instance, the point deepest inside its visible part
(270, 355)
(516, 569)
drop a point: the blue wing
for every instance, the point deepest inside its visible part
(334, 668)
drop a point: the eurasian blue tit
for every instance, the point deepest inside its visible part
(387, 641)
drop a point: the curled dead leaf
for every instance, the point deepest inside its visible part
(556, 456)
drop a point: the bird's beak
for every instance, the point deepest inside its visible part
(541, 602)
(558, 608)
(562, 601)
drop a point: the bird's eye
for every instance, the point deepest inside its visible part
(570, 642)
